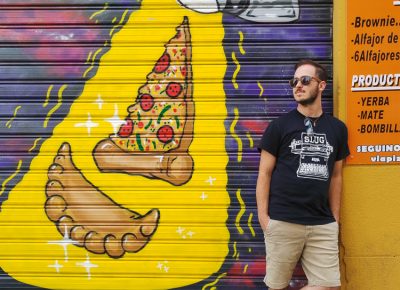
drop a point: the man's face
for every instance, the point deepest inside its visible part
(306, 94)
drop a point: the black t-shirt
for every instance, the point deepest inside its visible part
(299, 190)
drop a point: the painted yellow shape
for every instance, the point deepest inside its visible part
(8, 124)
(240, 44)
(205, 287)
(237, 70)
(56, 107)
(34, 144)
(261, 89)
(251, 145)
(119, 23)
(48, 94)
(245, 268)
(171, 259)
(99, 12)
(240, 213)
(236, 136)
(249, 223)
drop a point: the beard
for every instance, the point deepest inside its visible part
(310, 100)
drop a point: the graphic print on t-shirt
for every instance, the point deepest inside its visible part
(314, 150)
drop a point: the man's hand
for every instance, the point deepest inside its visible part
(336, 218)
(263, 219)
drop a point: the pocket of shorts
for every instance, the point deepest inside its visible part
(267, 230)
(335, 225)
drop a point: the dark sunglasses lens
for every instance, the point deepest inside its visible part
(305, 80)
(293, 82)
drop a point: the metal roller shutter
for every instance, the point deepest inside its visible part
(128, 134)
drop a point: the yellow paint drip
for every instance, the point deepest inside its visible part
(241, 38)
(250, 220)
(235, 136)
(99, 12)
(205, 287)
(56, 107)
(245, 268)
(8, 124)
(234, 250)
(241, 212)
(250, 139)
(236, 72)
(89, 57)
(92, 62)
(119, 23)
(48, 94)
(261, 89)
(34, 144)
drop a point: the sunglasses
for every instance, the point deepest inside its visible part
(304, 80)
(309, 125)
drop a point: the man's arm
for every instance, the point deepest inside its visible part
(267, 164)
(335, 189)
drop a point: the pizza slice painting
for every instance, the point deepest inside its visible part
(155, 138)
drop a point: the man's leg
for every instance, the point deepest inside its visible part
(284, 244)
(320, 258)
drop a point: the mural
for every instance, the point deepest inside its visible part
(162, 196)
(49, 50)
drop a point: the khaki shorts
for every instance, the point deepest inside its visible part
(315, 246)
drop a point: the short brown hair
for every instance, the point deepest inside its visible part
(319, 69)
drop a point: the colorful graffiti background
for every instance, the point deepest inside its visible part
(47, 48)
(51, 50)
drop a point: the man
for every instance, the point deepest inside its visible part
(299, 186)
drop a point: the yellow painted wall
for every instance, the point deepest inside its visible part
(370, 216)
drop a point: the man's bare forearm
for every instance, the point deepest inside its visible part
(262, 193)
(267, 165)
(335, 190)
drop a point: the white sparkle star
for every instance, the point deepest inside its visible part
(211, 180)
(99, 101)
(57, 266)
(115, 120)
(163, 266)
(65, 242)
(87, 265)
(190, 233)
(203, 196)
(88, 124)
(180, 230)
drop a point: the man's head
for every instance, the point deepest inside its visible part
(308, 82)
